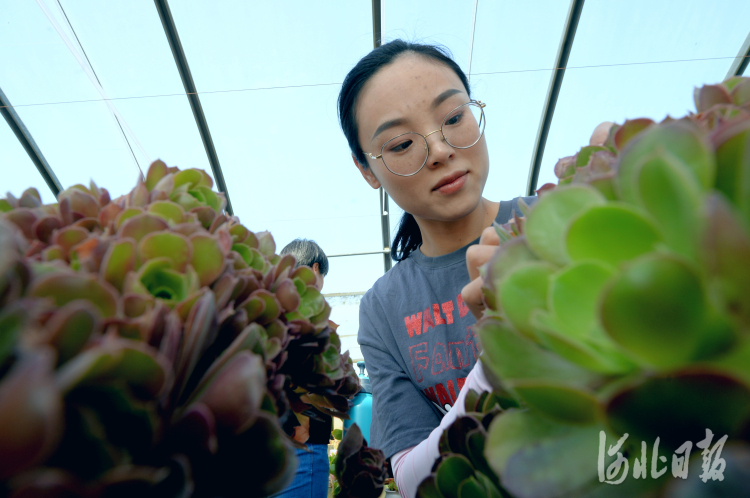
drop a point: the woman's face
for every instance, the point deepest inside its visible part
(414, 94)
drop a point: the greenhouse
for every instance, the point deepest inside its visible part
(160, 157)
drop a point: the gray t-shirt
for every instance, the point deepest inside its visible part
(416, 337)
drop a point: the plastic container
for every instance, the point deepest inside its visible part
(361, 409)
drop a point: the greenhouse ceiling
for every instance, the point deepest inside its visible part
(247, 91)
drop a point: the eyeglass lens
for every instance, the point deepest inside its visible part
(407, 153)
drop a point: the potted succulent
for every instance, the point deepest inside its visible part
(618, 321)
(359, 470)
(152, 344)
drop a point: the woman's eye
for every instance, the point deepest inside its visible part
(401, 146)
(455, 119)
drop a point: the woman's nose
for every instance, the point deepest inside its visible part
(439, 151)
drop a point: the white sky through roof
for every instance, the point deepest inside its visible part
(285, 161)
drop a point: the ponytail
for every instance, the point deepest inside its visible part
(408, 238)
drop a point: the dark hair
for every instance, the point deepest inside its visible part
(408, 237)
(307, 253)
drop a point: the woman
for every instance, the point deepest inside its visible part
(413, 129)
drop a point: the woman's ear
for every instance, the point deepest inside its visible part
(367, 173)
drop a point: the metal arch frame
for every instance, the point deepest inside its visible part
(740, 63)
(555, 84)
(170, 30)
(385, 219)
(28, 143)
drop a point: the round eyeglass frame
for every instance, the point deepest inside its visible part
(478, 103)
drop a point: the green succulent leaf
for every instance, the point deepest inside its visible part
(13, 320)
(159, 279)
(726, 251)
(156, 172)
(559, 402)
(574, 293)
(451, 472)
(733, 166)
(681, 140)
(173, 246)
(672, 195)
(118, 261)
(548, 221)
(516, 429)
(656, 309)
(523, 291)
(612, 234)
(596, 352)
(428, 488)
(70, 328)
(64, 288)
(208, 258)
(513, 357)
(511, 254)
(125, 215)
(471, 488)
(168, 210)
(554, 467)
(679, 407)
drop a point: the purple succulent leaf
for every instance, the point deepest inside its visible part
(287, 295)
(163, 188)
(43, 228)
(24, 219)
(218, 222)
(196, 430)
(235, 394)
(141, 225)
(709, 95)
(629, 130)
(82, 203)
(205, 215)
(200, 331)
(31, 412)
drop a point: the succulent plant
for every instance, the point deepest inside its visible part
(620, 304)
(462, 469)
(153, 344)
(359, 470)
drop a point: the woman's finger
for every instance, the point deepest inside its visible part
(477, 256)
(472, 296)
(489, 237)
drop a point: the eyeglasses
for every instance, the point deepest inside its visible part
(406, 154)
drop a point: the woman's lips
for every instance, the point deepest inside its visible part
(454, 186)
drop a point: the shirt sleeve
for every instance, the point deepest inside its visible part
(401, 415)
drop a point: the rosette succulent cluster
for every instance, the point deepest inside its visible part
(153, 344)
(359, 470)
(462, 469)
(619, 315)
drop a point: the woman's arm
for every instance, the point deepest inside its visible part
(412, 465)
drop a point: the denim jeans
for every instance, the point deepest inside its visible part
(311, 480)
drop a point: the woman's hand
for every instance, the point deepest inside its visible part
(477, 256)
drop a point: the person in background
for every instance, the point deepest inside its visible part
(311, 480)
